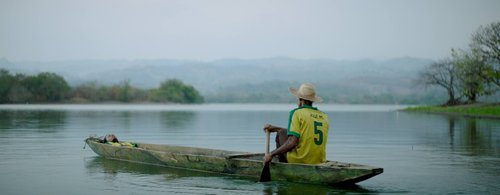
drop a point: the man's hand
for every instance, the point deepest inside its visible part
(271, 128)
(267, 158)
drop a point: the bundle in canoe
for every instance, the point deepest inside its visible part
(235, 163)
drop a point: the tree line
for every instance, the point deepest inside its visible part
(52, 88)
(470, 73)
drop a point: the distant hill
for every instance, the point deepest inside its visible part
(256, 80)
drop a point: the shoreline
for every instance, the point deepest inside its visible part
(488, 111)
(286, 107)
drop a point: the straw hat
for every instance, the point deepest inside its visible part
(306, 91)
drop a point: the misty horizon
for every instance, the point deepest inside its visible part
(55, 30)
(194, 60)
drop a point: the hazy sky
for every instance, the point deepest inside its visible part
(208, 30)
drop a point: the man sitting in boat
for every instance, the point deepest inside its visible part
(305, 139)
(112, 140)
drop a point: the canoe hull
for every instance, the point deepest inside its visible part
(235, 163)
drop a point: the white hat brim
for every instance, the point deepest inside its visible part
(295, 92)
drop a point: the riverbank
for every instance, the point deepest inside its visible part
(472, 110)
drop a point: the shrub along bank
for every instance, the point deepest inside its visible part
(479, 110)
(52, 88)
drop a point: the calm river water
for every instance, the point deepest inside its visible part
(42, 149)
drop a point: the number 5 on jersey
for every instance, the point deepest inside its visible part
(317, 131)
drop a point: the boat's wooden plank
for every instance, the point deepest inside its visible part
(246, 155)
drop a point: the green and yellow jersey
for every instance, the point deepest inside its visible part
(311, 127)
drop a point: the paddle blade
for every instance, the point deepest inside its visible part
(265, 176)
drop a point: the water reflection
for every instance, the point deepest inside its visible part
(141, 178)
(186, 181)
(472, 136)
(125, 118)
(40, 121)
(298, 188)
(177, 119)
(113, 167)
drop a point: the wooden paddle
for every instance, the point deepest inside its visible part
(266, 171)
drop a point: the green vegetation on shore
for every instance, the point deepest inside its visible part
(480, 110)
(52, 88)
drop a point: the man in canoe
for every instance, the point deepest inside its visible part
(305, 139)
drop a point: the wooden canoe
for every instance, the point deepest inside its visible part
(235, 163)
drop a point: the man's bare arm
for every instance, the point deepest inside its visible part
(290, 144)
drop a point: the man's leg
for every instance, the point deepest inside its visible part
(281, 137)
